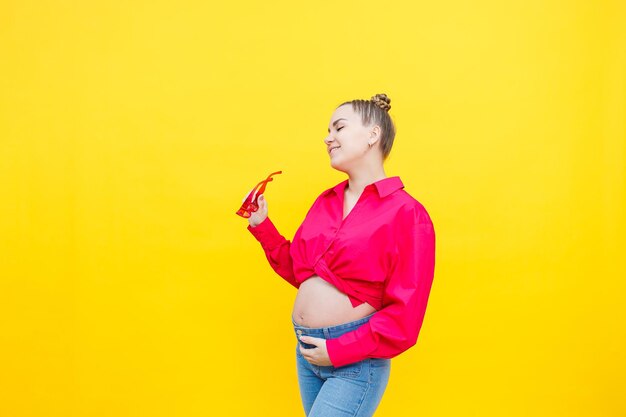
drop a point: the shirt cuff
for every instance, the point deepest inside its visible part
(266, 233)
(343, 353)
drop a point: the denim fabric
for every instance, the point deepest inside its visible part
(353, 390)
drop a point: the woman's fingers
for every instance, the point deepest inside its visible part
(259, 215)
(262, 202)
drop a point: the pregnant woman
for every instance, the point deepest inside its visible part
(363, 262)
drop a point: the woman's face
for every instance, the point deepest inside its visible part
(348, 136)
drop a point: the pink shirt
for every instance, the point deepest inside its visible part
(382, 253)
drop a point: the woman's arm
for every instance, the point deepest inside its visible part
(276, 248)
(395, 328)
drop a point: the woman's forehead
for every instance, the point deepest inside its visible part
(344, 111)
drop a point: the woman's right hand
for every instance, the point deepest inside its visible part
(257, 217)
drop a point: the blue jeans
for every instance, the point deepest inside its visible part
(353, 390)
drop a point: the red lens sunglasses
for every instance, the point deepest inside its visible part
(250, 204)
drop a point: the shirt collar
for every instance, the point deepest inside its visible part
(384, 187)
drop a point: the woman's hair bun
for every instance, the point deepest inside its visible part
(382, 101)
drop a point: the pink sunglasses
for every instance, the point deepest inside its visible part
(249, 203)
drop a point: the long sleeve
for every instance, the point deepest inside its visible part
(395, 327)
(276, 248)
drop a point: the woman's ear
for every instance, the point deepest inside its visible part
(373, 140)
(374, 134)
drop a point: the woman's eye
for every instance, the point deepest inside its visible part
(340, 128)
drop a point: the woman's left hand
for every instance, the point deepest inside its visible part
(317, 355)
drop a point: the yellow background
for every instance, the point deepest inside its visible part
(131, 131)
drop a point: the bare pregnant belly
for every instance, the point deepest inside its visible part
(320, 304)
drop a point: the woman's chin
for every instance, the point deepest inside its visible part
(336, 165)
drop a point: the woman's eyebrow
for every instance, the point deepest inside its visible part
(337, 121)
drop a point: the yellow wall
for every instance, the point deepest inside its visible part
(130, 132)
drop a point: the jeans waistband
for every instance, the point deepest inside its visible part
(329, 332)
